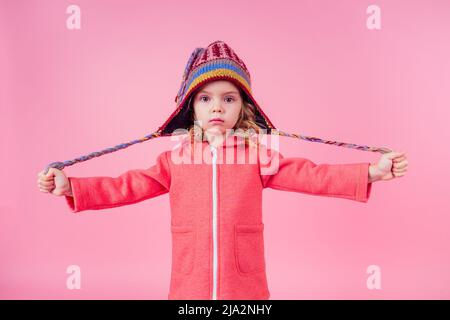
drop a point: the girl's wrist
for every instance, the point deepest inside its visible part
(374, 173)
(69, 191)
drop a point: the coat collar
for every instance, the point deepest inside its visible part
(230, 141)
(202, 152)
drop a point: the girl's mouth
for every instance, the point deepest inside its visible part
(216, 121)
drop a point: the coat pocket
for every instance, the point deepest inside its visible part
(183, 249)
(249, 248)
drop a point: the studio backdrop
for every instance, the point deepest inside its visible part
(82, 76)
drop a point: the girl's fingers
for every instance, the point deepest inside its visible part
(46, 184)
(44, 180)
(399, 170)
(397, 154)
(400, 158)
(400, 165)
(47, 189)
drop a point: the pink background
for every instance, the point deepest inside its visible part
(316, 69)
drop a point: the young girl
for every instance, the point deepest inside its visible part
(214, 186)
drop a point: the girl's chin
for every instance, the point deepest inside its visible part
(216, 127)
(216, 124)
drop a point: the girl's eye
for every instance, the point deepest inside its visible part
(227, 99)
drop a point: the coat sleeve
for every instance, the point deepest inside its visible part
(94, 193)
(348, 181)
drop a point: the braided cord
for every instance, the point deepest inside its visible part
(336, 143)
(62, 165)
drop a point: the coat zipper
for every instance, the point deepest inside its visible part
(214, 221)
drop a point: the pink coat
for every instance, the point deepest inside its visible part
(216, 209)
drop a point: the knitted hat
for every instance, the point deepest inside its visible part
(216, 61)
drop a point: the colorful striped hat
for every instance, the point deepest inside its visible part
(215, 62)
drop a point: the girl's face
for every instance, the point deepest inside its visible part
(219, 99)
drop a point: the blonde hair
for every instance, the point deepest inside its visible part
(245, 126)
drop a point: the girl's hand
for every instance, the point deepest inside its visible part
(391, 165)
(54, 182)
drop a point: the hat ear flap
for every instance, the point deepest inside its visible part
(194, 55)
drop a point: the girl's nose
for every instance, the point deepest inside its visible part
(217, 107)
